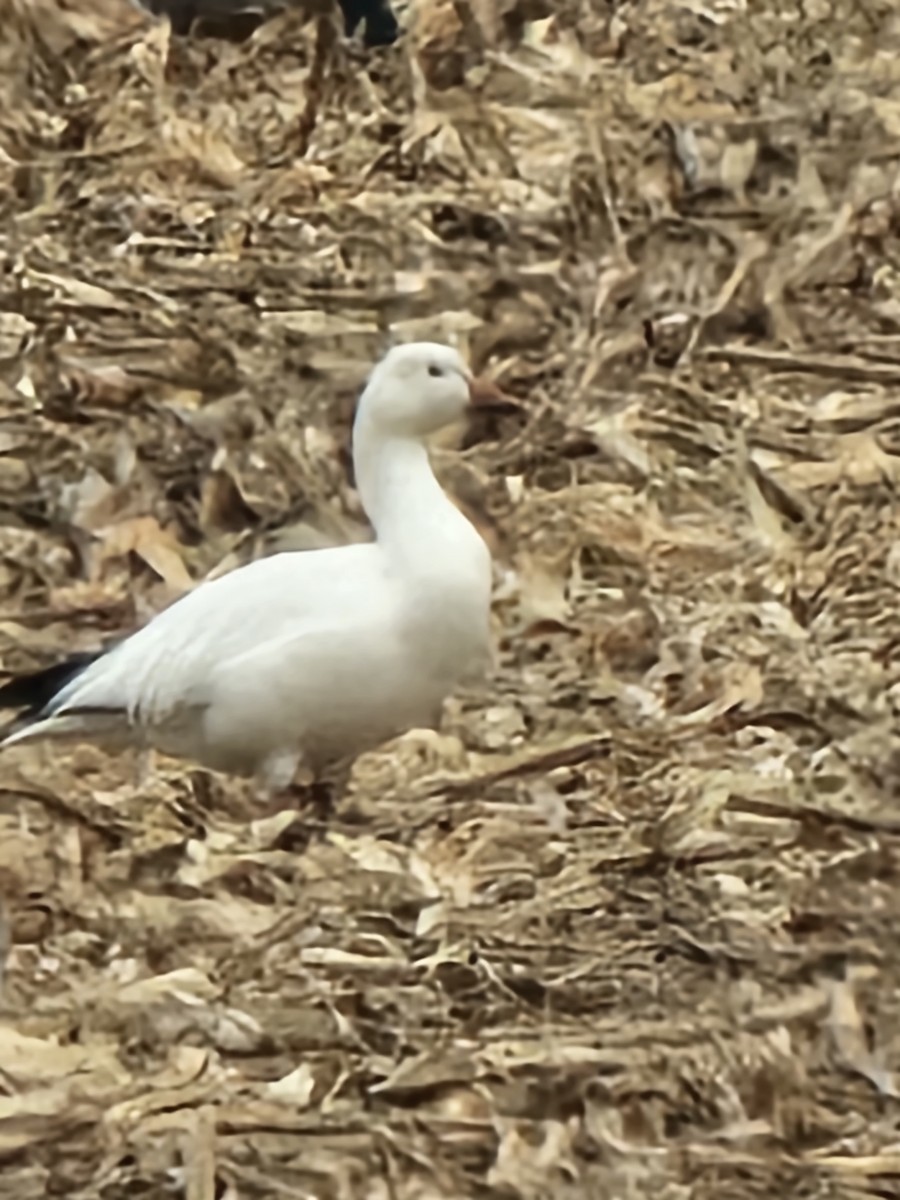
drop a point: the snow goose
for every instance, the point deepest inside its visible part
(305, 659)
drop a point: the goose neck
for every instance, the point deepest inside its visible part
(397, 486)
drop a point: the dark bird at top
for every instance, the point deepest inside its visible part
(238, 18)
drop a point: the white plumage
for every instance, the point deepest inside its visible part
(311, 657)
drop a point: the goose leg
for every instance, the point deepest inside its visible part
(276, 774)
(282, 784)
(325, 792)
(144, 769)
(321, 800)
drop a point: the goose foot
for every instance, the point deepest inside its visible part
(314, 801)
(287, 785)
(319, 798)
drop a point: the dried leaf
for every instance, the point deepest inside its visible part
(144, 537)
(625, 926)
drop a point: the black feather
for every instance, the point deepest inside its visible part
(31, 693)
(237, 18)
(381, 24)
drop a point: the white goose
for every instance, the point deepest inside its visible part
(307, 658)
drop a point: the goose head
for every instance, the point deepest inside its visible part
(420, 388)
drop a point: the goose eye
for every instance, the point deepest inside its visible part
(435, 372)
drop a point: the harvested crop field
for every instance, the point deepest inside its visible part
(629, 926)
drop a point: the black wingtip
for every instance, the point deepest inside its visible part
(31, 693)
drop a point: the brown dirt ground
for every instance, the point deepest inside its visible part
(629, 926)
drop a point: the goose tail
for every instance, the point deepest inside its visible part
(87, 726)
(33, 697)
